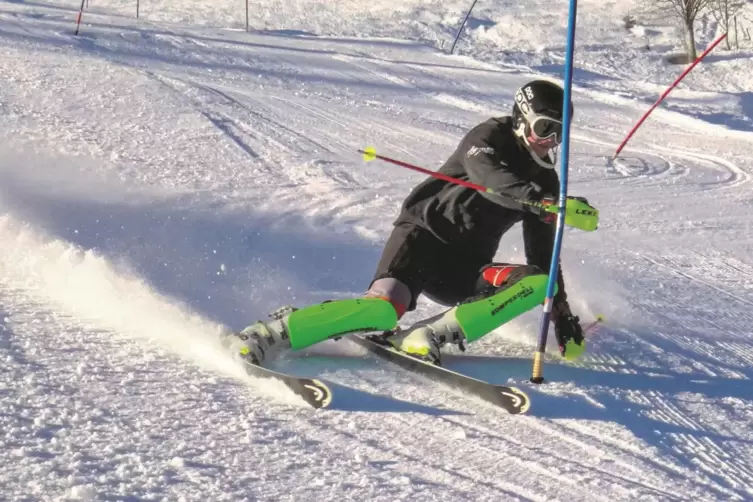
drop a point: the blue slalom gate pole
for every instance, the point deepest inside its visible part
(538, 359)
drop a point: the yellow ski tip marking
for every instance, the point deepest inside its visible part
(369, 153)
(600, 317)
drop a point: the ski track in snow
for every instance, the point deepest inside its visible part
(165, 183)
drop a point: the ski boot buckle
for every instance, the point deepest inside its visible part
(282, 312)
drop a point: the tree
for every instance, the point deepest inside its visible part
(724, 11)
(687, 11)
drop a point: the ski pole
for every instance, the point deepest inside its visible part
(369, 153)
(579, 213)
(591, 327)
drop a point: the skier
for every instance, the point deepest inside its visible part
(443, 244)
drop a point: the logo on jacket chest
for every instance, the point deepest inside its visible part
(476, 150)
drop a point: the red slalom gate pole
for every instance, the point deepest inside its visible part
(666, 93)
(78, 19)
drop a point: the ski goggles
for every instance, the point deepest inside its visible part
(546, 130)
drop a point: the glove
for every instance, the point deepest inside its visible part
(550, 203)
(579, 199)
(578, 212)
(568, 331)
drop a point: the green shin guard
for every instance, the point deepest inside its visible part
(483, 316)
(317, 323)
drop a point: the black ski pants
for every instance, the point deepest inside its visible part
(447, 274)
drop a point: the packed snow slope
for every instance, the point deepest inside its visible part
(168, 179)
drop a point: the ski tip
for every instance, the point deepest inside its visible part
(314, 392)
(516, 401)
(600, 317)
(319, 395)
(369, 153)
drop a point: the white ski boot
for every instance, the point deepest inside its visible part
(424, 339)
(261, 340)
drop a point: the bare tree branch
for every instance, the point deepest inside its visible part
(724, 11)
(687, 11)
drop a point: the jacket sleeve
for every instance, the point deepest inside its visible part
(487, 167)
(538, 239)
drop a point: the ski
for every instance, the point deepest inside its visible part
(315, 392)
(511, 399)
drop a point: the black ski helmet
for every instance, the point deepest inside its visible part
(542, 97)
(535, 99)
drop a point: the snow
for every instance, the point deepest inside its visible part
(168, 179)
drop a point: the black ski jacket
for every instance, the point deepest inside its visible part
(492, 156)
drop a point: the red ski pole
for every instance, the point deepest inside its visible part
(579, 213)
(369, 153)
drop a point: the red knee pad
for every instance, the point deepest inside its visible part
(399, 307)
(496, 275)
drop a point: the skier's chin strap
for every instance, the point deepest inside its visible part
(520, 132)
